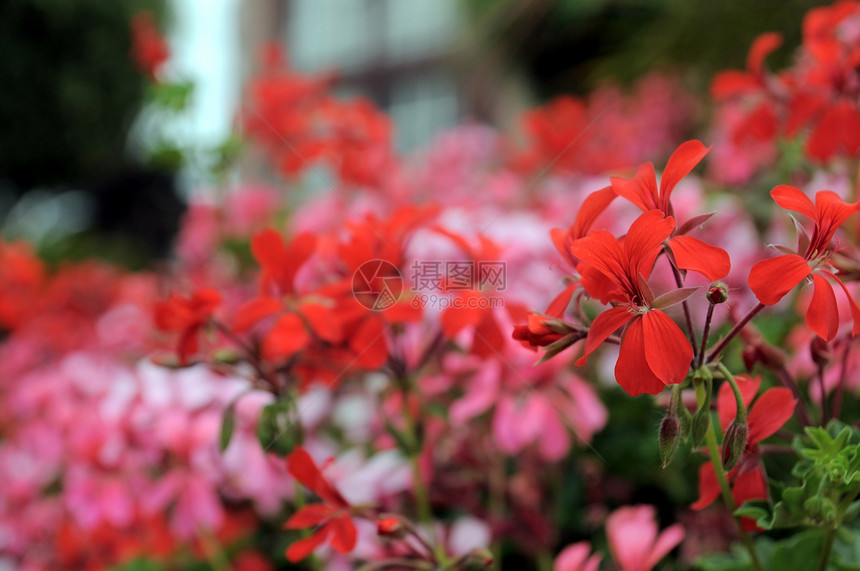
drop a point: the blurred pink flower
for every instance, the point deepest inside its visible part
(575, 557)
(633, 539)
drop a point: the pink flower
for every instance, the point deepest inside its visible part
(633, 539)
(575, 557)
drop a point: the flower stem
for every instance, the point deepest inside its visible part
(707, 331)
(741, 413)
(734, 331)
(716, 460)
(687, 316)
(826, 548)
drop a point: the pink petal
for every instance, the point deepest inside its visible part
(669, 538)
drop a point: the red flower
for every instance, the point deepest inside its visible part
(654, 351)
(769, 412)
(770, 280)
(149, 47)
(689, 253)
(332, 517)
(187, 316)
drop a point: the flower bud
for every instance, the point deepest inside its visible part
(820, 351)
(734, 444)
(390, 526)
(668, 438)
(718, 293)
(478, 558)
(699, 427)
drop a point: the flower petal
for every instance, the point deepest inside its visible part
(709, 488)
(667, 349)
(771, 279)
(250, 312)
(309, 515)
(641, 190)
(822, 316)
(304, 547)
(592, 207)
(668, 539)
(602, 327)
(287, 337)
(343, 534)
(855, 311)
(769, 413)
(683, 160)
(793, 199)
(632, 371)
(700, 257)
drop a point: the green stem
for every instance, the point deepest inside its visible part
(741, 414)
(716, 460)
(422, 499)
(826, 548)
(704, 348)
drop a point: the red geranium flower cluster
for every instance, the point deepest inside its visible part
(297, 122)
(816, 98)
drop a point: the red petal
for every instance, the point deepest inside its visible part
(683, 160)
(369, 344)
(822, 316)
(667, 349)
(769, 413)
(344, 534)
(632, 371)
(561, 301)
(761, 48)
(592, 207)
(732, 83)
(287, 337)
(602, 327)
(703, 258)
(303, 468)
(749, 485)
(771, 279)
(794, 199)
(250, 312)
(855, 311)
(304, 547)
(323, 321)
(709, 488)
(641, 245)
(309, 515)
(641, 190)
(832, 212)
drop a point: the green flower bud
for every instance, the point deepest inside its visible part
(699, 427)
(668, 438)
(734, 444)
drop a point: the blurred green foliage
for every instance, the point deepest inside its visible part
(71, 89)
(569, 46)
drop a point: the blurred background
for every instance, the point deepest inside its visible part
(97, 155)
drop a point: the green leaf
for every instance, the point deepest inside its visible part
(275, 430)
(228, 426)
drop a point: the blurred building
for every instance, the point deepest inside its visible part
(400, 53)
